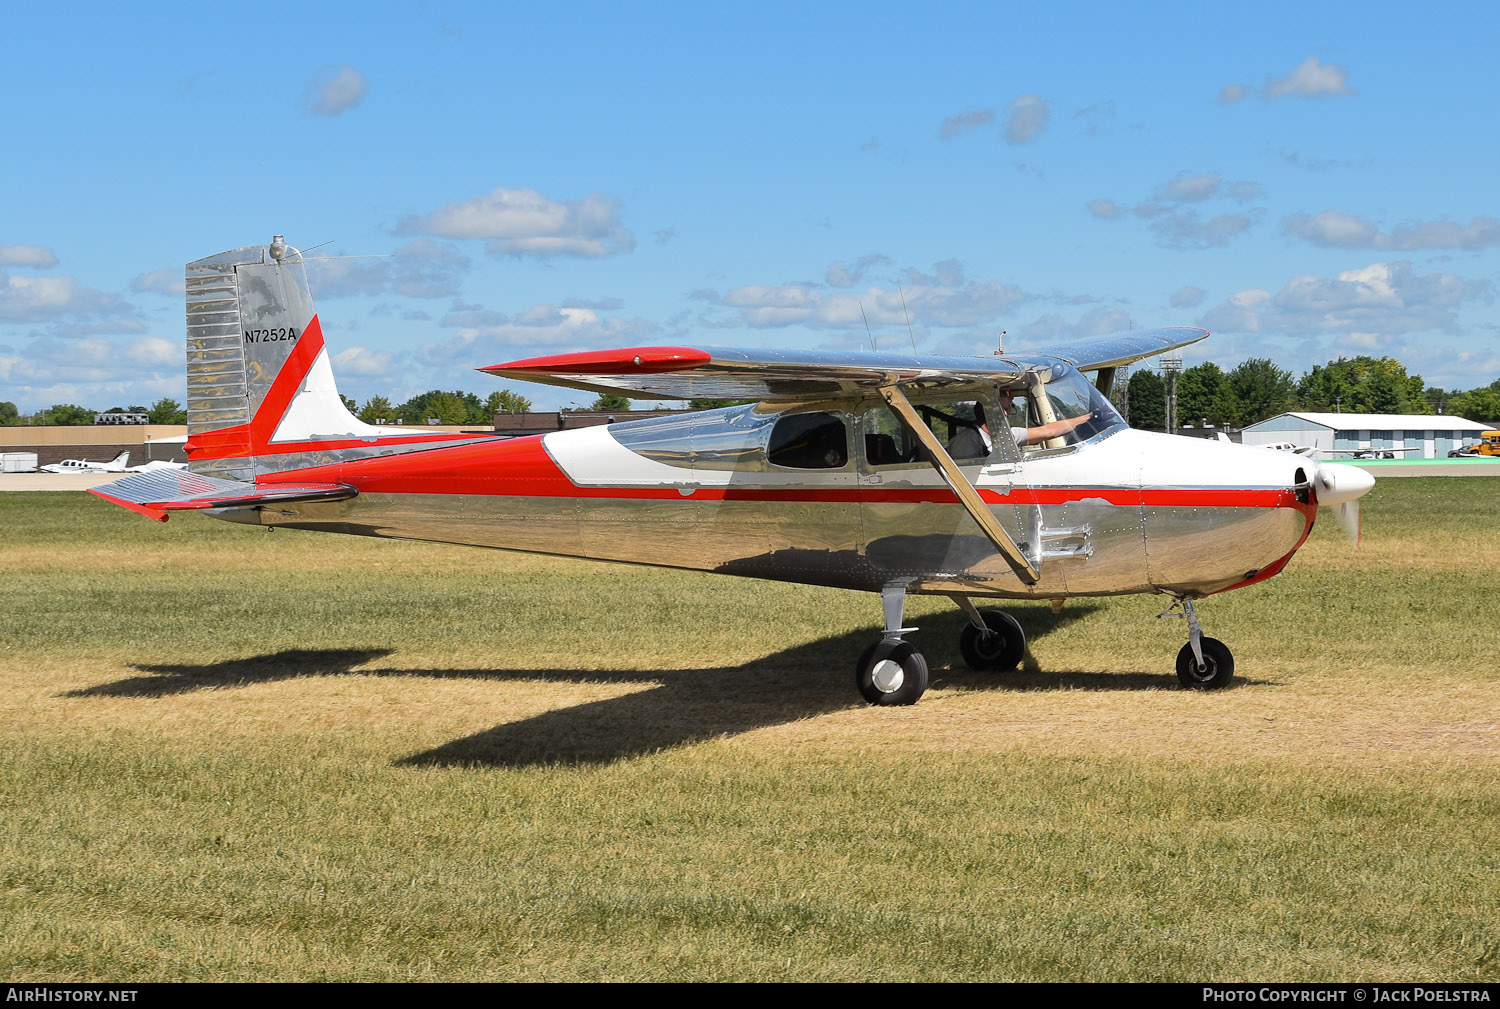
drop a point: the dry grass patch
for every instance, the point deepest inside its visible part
(227, 754)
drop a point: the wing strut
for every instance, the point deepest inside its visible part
(954, 477)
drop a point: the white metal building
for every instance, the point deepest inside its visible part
(1434, 436)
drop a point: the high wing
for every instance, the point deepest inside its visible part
(1123, 348)
(767, 374)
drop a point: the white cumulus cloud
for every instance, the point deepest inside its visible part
(1231, 93)
(361, 361)
(27, 255)
(1311, 79)
(969, 119)
(1187, 297)
(1336, 229)
(333, 90)
(1185, 229)
(1383, 298)
(540, 326)
(842, 274)
(418, 269)
(111, 364)
(1178, 225)
(64, 302)
(523, 222)
(169, 282)
(1026, 118)
(1052, 329)
(1187, 188)
(942, 297)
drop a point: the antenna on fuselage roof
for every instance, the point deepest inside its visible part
(865, 317)
(908, 317)
(1000, 344)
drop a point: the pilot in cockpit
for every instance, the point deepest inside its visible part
(1014, 409)
(972, 440)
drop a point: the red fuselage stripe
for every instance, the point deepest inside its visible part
(521, 467)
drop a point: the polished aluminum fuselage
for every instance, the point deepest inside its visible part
(1124, 512)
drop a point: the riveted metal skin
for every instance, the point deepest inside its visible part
(788, 488)
(1115, 510)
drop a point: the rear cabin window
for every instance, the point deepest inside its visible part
(809, 441)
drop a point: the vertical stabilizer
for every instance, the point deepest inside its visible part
(259, 384)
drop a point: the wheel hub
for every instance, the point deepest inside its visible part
(888, 676)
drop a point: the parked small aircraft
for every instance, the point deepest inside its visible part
(1009, 477)
(119, 464)
(1373, 453)
(1332, 453)
(1280, 446)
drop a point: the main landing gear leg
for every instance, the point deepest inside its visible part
(1203, 663)
(891, 671)
(992, 640)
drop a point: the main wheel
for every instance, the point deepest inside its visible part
(998, 651)
(1218, 665)
(891, 673)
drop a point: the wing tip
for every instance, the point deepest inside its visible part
(141, 509)
(625, 361)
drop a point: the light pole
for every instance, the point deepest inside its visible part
(1170, 366)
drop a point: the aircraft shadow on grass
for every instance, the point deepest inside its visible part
(680, 706)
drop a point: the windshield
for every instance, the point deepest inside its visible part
(1054, 408)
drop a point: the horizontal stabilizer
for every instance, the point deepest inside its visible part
(156, 493)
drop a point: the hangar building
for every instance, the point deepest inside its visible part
(1433, 436)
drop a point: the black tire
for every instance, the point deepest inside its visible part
(880, 683)
(1218, 666)
(999, 651)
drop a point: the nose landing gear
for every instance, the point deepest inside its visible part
(1203, 663)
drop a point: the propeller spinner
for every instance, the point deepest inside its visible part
(1340, 487)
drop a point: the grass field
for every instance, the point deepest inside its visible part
(230, 754)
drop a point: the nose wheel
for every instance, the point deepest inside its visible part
(1203, 663)
(1214, 671)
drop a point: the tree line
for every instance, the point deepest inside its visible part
(459, 407)
(163, 411)
(1258, 389)
(456, 407)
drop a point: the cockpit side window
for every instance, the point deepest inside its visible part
(962, 427)
(809, 441)
(1055, 409)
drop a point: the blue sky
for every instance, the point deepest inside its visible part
(1306, 180)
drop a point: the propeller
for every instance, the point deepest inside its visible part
(1340, 487)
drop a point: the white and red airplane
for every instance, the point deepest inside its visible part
(976, 478)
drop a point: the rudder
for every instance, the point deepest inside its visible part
(257, 370)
